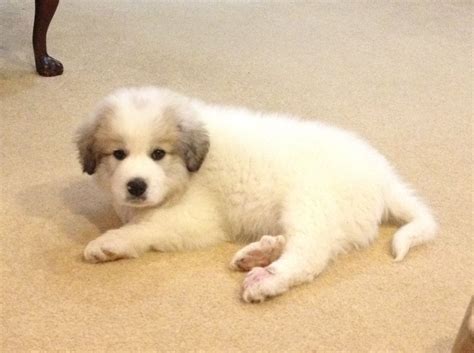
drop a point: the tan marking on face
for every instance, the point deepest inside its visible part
(93, 137)
(165, 133)
(107, 139)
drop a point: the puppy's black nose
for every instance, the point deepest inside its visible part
(136, 187)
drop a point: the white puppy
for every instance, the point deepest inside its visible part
(184, 174)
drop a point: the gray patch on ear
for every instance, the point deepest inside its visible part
(193, 143)
(89, 162)
(86, 141)
(192, 140)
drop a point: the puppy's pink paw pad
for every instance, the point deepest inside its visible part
(259, 254)
(260, 284)
(252, 259)
(254, 277)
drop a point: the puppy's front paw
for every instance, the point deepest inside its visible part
(109, 248)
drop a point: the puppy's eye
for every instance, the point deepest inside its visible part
(157, 154)
(119, 154)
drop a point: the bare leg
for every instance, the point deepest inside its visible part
(44, 12)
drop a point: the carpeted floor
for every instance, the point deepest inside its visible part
(398, 74)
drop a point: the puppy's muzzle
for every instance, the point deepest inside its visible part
(136, 187)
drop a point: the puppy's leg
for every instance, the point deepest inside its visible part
(299, 263)
(181, 227)
(132, 240)
(260, 253)
(306, 254)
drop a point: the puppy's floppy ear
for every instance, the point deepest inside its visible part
(194, 144)
(193, 139)
(86, 141)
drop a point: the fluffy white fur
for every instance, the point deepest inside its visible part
(323, 190)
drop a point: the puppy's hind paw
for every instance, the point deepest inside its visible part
(262, 283)
(261, 253)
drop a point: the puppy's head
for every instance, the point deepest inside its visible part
(142, 144)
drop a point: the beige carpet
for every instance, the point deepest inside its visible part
(400, 75)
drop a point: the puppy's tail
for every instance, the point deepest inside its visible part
(420, 225)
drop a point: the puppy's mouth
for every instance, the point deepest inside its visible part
(140, 201)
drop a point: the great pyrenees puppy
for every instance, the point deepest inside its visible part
(183, 174)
